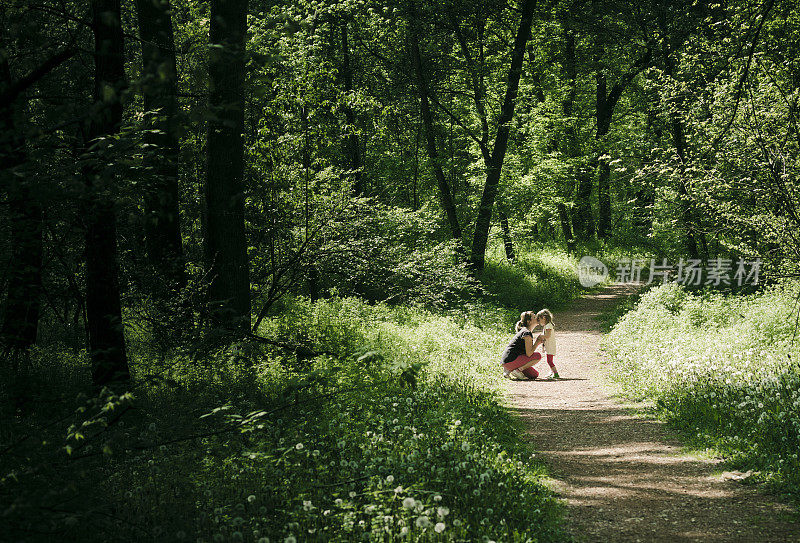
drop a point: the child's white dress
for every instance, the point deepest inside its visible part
(550, 344)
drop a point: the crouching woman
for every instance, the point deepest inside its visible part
(521, 355)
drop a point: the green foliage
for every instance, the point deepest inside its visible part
(537, 279)
(402, 436)
(392, 254)
(703, 141)
(723, 369)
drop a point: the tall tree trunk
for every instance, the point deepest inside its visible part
(414, 194)
(159, 83)
(21, 312)
(430, 134)
(312, 272)
(508, 244)
(604, 109)
(679, 141)
(566, 227)
(226, 245)
(582, 217)
(605, 104)
(569, 141)
(483, 221)
(684, 201)
(603, 198)
(644, 194)
(103, 308)
(478, 92)
(351, 138)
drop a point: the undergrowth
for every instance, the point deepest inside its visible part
(386, 425)
(723, 369)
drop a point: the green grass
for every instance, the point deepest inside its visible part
(722, 368)
(538, 278)
(399, 434)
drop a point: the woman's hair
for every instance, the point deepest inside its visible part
(546, 315)
(524, 320)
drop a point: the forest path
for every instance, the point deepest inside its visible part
(625, 479)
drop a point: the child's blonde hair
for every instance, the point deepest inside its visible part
(546, 315)
(524, 320)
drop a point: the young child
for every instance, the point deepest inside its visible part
(520, 354)
(544, 318)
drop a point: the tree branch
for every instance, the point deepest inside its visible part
(15, 89)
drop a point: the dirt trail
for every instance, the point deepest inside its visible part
(624, 479)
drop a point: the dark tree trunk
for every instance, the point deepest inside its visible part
(313, 283)
(226, 245)
(569, 141)
(490, 189)
(103, 308)
(351, 137)
(313, 273)
(684, 201)
(566, 228)
(582, 217)
(430, 134)
(21, 312)
(678, 139)
(478, 92)
(507, 243)
(159, 83)
(604, 109)
(414, 192)
(603, 198)
(644, 194)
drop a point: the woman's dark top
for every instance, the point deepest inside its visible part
(516, 346)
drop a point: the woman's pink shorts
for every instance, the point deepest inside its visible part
(521, 360)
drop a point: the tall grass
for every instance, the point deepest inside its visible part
(724, 369)
(544, 277)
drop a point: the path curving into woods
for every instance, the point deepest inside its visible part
(623, 478)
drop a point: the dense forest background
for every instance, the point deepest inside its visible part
(202, 200)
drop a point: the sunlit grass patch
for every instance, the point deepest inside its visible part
(538, 278)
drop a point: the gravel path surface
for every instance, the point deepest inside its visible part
(624, 478)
